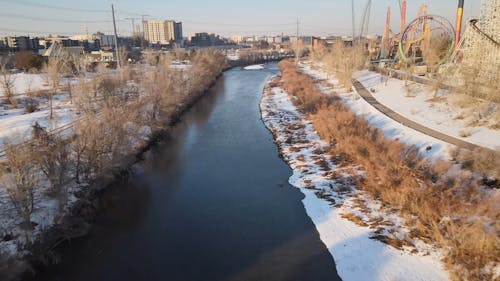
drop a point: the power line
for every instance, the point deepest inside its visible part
(17, 16)
(240, 25)
(127, 13)
(45, 6)
(4, 29)
(326, 27)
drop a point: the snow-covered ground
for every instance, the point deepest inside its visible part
(254, 67)
(442, 116)
(427, 145)
(234, 56)
(15, 123)
(438, 112)
(24, 82)
(329, 200)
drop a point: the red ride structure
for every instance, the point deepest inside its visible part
(403, 16)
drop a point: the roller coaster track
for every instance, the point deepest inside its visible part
(473, 37)
(473, 24)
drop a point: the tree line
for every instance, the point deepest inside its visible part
(118, 112)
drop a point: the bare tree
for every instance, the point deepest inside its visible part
(344, 61)
(21, 180)
(52, 157)
(79, 146)
(151, 57)
(7, 80)
(54, 74)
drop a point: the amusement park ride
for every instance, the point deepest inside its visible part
(432, 41)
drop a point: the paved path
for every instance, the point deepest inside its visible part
(367, 95)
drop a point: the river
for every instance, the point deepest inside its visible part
(211, 202)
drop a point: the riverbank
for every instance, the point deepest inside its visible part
(440, 202)
(216, 184)
(80, 216)
(85, 199)
(333, 203)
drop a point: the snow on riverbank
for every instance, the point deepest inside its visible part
(358, 256)
(254, 67)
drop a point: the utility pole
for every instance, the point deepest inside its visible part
(143, 31)
(297, 44)
(116, 37)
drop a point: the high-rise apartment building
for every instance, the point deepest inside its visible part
(162, 32)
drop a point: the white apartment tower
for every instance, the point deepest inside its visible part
(162, 31)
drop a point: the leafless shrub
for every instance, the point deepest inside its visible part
(52, 157)
(54, 70)
(343, 61)
(30, 105)
(85, 97)
(21, 179)
(465, 133)
(151, 57)
(7, 81)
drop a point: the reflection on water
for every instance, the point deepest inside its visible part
(205, 204)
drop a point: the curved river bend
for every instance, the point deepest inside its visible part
(212, 202)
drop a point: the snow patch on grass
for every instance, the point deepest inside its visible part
(254, 67)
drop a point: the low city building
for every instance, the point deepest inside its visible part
(100, 56)
(204, 39)
(57, 50)
(21, 43)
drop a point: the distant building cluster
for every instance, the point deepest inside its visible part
(161, 34)
(97, 47)
(204, 39)
(40, 44)
(254, 39)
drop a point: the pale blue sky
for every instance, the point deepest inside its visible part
(225, 17)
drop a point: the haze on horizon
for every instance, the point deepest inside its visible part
(224, 17)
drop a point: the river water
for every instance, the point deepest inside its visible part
(211, 202)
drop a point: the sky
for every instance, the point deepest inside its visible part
(224, 17)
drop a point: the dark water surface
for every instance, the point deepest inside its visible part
(210, 203)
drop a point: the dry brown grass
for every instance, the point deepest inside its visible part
(396, 175)
(464, 133)
(355, 219)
